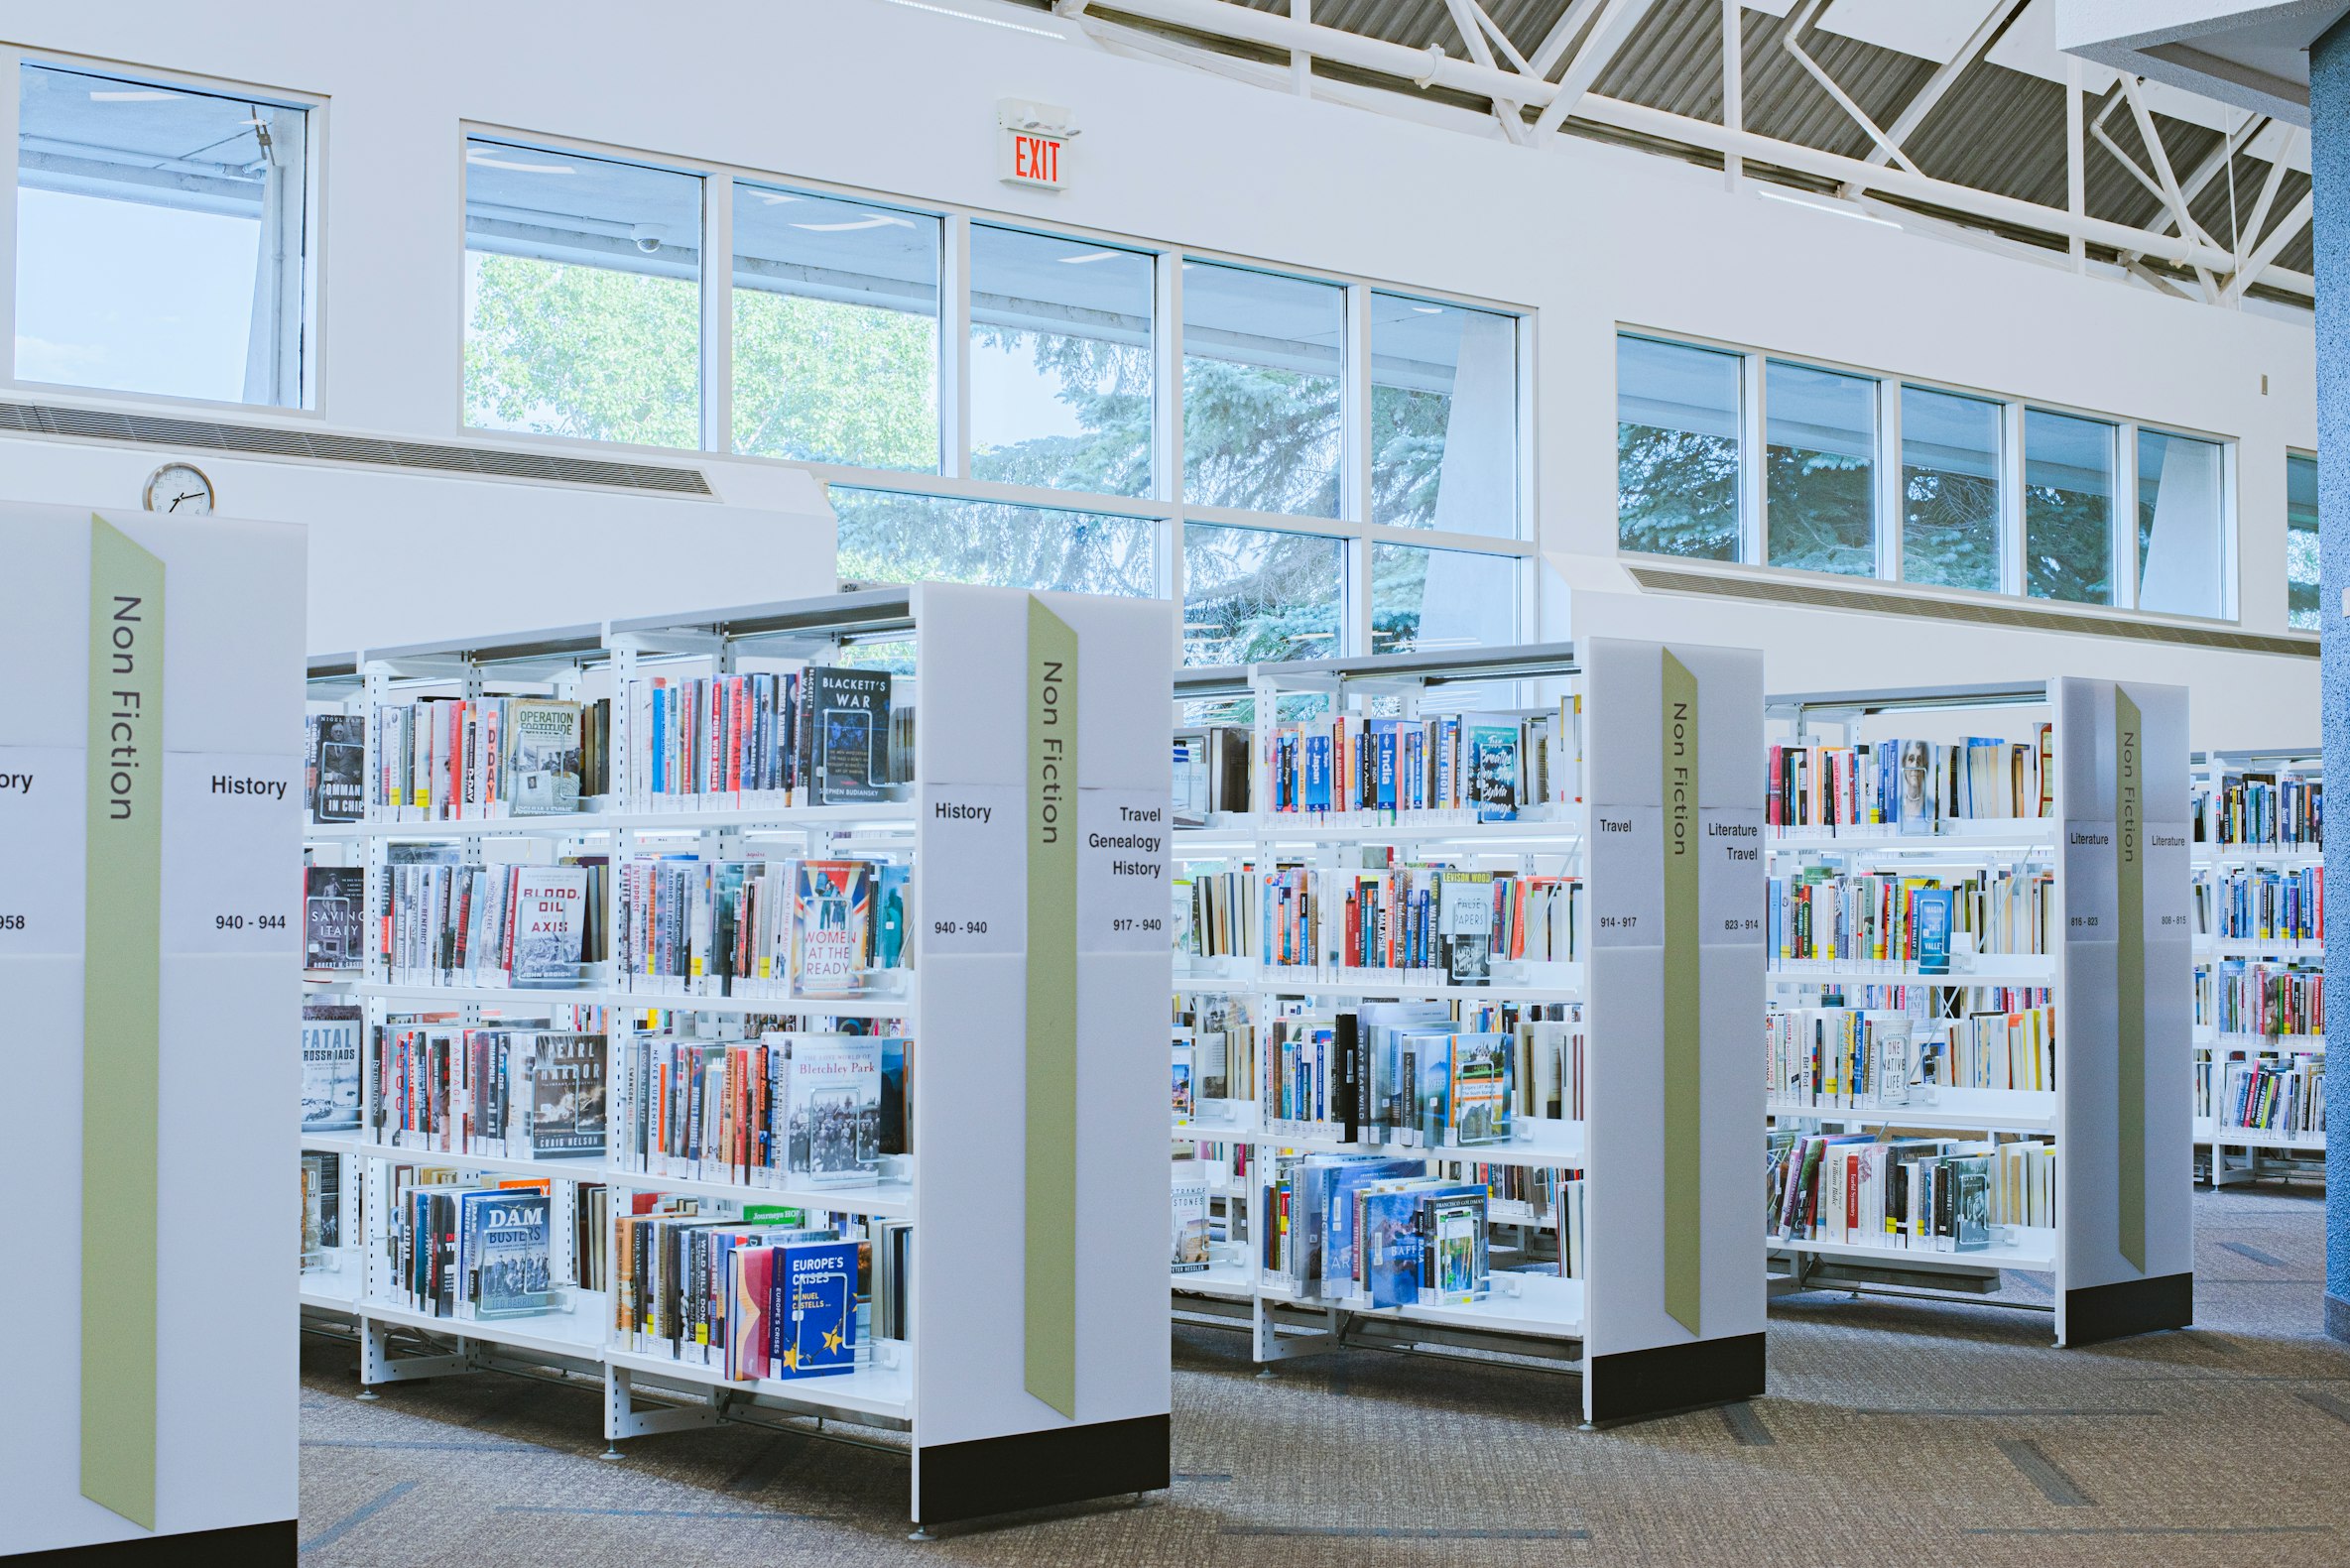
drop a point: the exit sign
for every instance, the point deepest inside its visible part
(1033, 143)
(1032, 158)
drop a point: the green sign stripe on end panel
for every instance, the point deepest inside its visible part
(2130, 975)
(1049, 1364)
(1683, 1001)
(121, 1053)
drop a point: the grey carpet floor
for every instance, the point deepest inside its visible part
(1893, 1433)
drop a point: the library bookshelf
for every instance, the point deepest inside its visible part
(1030, 1369)
(1665, 1308)
(2117, 1244)
(2260, 954)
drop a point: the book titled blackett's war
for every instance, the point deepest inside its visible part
(849, 712)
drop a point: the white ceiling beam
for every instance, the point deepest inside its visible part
(2288, 229)
(1946, 77)
(1792, 42)
(1607, 35)
(1430, 68)
(1563, 32)
(1509, 112)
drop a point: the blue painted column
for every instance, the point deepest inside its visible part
(2330, 119)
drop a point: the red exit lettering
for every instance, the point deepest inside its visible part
(1036, 158)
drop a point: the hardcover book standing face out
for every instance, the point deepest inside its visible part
(852, 725)
(832, 903)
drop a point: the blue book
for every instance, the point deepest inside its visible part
(1387, 764)
(507, 1259)
(1392, 1247)
(659, 730)
(1338, 1186)
(1933, 930)
(813, 1323)
(1317, 773)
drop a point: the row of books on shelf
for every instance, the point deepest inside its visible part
(816, 928)
(2273, 1092)
(1821, 914)
(806, 735)
(1490, 767)
(2262, 810)
(2250, 996)
(1381, 1230)
(1423, 1074)
(768, 1293)
(450, 924)
(1905, 786)
(1922, 1195)
(2262, 903)
(480, 1249)
(1437, 919)
(1215, 1047)
(1851, 1059)
(517, 1094)
(783, 1110)
(465, 759)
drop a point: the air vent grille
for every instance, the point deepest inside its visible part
(145, 430)
(2024, 617)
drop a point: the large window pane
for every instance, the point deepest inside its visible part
(1254, 594)
(160, 239)
(2181, 521)
(887, 535)
(1444, 417)
(1433, 600)
(1820, 501)
(582, 296)
(1061, 362)
(1260, 390)
(836, 330)
(2067, 507)
(2303, 607)
(1677, 449)
(1949, 490)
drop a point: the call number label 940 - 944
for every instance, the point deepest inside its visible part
(242, 922)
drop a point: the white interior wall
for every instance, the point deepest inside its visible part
(903, 100)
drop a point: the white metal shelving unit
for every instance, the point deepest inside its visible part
(1639, 1352)
(984, 1440)
(2240, 1154)
(2102, 1156)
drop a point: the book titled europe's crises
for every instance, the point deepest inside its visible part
(812, 1312)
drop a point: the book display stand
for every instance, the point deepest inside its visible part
(1649, 804)
(1015, 1329)
(2260, 964)
(2090, 1176)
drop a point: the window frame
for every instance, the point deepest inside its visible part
(1753, 523)
(2309, 455)
(309, 320)
(1163, 505)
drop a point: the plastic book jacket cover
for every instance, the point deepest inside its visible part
(331, 898)
(1493, 770)
(568, 1095)
(1181, 1101)
(1187, 1223)
(1392, 1247)
(342, 762)
(852, 733)
(330, 1065)
(812, 1312)
(1480, 1088)
(831, 901)
(749, 1280)
(1464, 920)
(549, 903)
(833, 1134)
(513, 1269)
(544, 747)
(1458, 1275)
(1933, 930)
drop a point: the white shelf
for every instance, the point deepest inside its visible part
(577, 1331)
(1968, 835)
(867, 1390)
(882, 1199)
(1402, 984)
(2288, 1045)
(2253, 947)
(1958, 1110)
(1563, 1145)
(2033, 1251)
(894, 814)
(2258, 1137)
(1301, 827)
(1545, 1305)
(2207, 855)
(521, 999)
(1992, 969)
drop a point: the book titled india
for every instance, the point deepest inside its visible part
(812, 1312)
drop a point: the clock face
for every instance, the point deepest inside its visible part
(180, 489)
